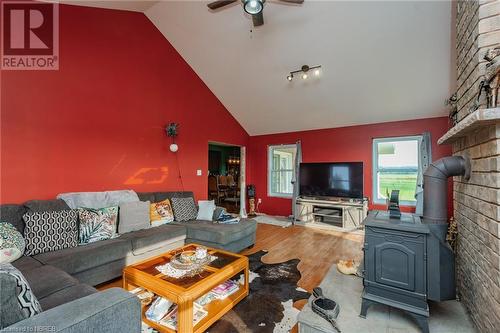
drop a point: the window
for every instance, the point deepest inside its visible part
(395, 167)
(281, 167)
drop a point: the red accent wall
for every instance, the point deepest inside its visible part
(97, 123)
(345, 144)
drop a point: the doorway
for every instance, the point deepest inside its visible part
(224, 176)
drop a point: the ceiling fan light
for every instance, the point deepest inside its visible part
(289, 77)
(317, 72)
(304, 76)
(253, 7)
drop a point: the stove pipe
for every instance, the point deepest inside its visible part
(436, 186)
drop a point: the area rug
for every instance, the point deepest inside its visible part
(279, 221)
(269, 307)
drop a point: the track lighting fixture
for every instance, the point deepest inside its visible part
(304, 70)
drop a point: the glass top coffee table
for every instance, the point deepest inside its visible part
(185, 290)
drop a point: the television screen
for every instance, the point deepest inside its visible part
(332, 179)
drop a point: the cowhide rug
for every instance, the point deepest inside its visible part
(269, 306)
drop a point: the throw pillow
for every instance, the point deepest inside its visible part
(17, 301)
(50, 231)
(161, 213)
(97, 224)
(206, 210)
(218, 212)
(11, 243)
(184, 209)
(133, 216)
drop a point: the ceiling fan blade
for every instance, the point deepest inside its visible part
(293, 1)
(220, 3)
(258, 19)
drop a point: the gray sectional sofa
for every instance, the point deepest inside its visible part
(62, 280)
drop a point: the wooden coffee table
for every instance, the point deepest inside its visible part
(184, 291)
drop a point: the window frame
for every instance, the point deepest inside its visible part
(375, 167)
(270, 169)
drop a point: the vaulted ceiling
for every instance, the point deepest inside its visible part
(381, 61)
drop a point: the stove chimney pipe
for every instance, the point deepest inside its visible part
(436, 186)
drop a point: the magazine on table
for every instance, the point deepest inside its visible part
(170, 320)
(220, 292)
(158, 309)
(226, 289)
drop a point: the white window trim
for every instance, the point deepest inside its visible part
(375, 143)
(269, 168)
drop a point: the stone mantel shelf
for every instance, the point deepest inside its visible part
(476, 119)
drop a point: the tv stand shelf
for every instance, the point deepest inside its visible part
(346, 214)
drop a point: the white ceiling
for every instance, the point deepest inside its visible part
(382, 61)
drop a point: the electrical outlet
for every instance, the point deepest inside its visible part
(259, 200)
(198, 172)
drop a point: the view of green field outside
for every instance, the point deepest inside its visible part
(404, 182)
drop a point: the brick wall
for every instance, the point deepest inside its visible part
(477, 201)
(478, 29)
(477, 212)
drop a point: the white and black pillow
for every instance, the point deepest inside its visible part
(184, 209)
(50, 231)
(20, 301)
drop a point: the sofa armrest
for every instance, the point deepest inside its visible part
(111, 310)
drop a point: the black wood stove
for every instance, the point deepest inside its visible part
(407, 260)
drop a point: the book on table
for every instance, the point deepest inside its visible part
(164, 312)
(170, 320)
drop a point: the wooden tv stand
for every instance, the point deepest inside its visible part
(342, 213)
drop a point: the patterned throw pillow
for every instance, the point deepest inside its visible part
(161, 213)
(11, 243)
(184, 209)
(50, 231)
(20, 301)
(97, 224)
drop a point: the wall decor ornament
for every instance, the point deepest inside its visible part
(451, 103)
(172, 131)
(490, 82)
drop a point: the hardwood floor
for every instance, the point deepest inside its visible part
(316, 249)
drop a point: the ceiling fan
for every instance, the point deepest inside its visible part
(252, 7)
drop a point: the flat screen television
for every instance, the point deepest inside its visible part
(344, 179)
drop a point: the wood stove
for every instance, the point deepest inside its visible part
(407, 260)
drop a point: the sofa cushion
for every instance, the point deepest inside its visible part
(11, 243)
(25, 264)
(50, 231)
(13, 214)
(17, 300)
(46, 280)
(161, 213)
(219, 233)
(66, 295)
(83, 257)
(206, 209)
(97, 224)
(46, 205)
(184, 209)
(160, 196)
(153, 238)
(133, 216)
